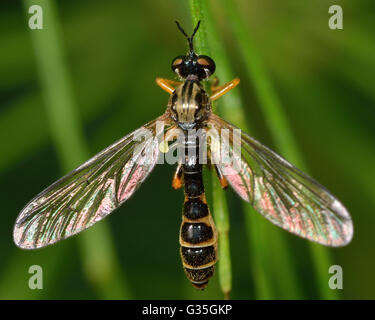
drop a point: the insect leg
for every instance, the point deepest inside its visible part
(218, 91)
(178, 178)
(167, 85)
(223, 180)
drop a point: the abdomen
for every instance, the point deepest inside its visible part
(198, 237)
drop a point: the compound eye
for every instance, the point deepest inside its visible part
(207, 64)
(177, 64)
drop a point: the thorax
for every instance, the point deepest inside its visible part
(189, 105)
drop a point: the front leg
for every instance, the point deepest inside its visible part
(167, 85)
(218, 91)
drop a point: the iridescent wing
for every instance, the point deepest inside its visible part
(280, 192)
(92, 191)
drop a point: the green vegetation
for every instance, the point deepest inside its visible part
(87, 79)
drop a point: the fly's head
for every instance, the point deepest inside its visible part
(192, 66)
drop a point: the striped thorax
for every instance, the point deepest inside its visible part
(189, 105)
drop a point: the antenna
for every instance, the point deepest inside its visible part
(189, 39)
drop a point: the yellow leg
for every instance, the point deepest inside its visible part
(167, 85)
(222, 179)
(177, 178)
(218, 91)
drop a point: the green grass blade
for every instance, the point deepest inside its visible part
(98, 253)
(200, 11)
(220, 210)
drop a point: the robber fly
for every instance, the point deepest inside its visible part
(274, 187)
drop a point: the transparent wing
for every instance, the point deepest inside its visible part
(92, 191)
(280, 192)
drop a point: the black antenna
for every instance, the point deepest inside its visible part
(190, 39)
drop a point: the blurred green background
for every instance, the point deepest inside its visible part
(87, 79)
